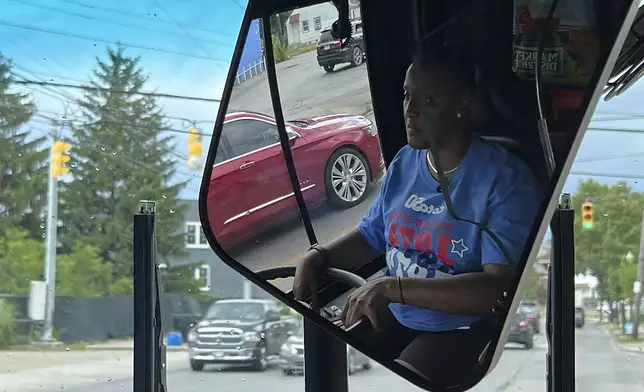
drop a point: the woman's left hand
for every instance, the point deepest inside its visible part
(367, 301)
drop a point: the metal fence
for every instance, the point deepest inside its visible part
(250, 70)
(103, 318)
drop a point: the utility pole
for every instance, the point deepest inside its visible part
(248, 288)
(637, 285)
(57, 168)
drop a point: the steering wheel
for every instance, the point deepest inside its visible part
(339, 275)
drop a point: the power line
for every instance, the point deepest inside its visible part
(135, 15)
(117, 91)
(94, 39)
(610, 157)
(625, 130)
(79, 15)
(612, 175)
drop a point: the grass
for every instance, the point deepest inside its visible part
(629, 339)
(296, 50)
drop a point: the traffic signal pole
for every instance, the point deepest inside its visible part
(51, 226)
(57, 168)
(637, 285)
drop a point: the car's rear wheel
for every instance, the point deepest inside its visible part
(329, 68)
(356, 56)
(346, 178)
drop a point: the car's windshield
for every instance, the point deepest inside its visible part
(104, 104)
(235, 311)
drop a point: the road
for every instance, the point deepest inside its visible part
(306, 90)
(600, 367)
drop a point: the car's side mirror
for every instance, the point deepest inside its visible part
(292, 135)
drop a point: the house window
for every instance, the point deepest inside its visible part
(317, 23)
(305, 26)
(202, 273)
(191, 234)
(195, 237)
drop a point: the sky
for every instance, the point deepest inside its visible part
(186, 47)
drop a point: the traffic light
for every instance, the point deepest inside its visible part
(59, 158)
(587, 215)
(195, 149)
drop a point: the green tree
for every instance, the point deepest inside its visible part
(122, 155)
(23, 169)
(617, 212)
(80, 273)
(180, 280)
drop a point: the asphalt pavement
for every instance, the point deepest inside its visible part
(600, 366)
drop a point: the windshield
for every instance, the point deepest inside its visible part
(106, 103)
(235, 311)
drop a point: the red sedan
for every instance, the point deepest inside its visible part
(336, 157)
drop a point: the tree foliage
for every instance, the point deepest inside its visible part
(23, 167)
(121, 155)
(601, 251)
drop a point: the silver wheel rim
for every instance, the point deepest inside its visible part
(357, 56)
(349, 177)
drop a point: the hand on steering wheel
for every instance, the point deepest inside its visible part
(343, 276)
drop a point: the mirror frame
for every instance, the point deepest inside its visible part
(254, 11)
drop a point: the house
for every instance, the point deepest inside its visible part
(305, 24)
(218, 279)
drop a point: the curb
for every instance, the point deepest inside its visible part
(617, 345)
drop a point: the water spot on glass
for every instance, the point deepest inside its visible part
(201, 379)
(62, 387)
(97, 168)
(238, 348)
(262, 335)
(164, 196)
(66, 348)
(42, 225)
(91, 217)
(171, 211)
(20, 154)
(43, 235)
(605, 214)
(109, 380)
(73, 164)
(102, 148)
(243, 380)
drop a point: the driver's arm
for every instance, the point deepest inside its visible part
(512, 213)
(359, 246)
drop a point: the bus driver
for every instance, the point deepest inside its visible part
(443, 275)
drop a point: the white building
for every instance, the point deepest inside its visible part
(305, 24)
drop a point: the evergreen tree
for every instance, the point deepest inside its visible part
(23, 162)
(121, 155)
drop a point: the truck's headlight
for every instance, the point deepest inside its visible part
(252, 337)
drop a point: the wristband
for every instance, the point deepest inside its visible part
(326, 258)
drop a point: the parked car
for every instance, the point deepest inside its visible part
(533, 313)
(580, 317)
(521, 332)
(331, 53)
(245, 332)
(292, 356)
(337, 157)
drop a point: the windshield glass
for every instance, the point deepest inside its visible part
(235, 311)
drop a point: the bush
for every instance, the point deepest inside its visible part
(7, 333)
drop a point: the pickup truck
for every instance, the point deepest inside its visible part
(247, 332)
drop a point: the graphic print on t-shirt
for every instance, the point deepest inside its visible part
(419, 247)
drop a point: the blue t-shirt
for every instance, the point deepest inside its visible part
(409, 222)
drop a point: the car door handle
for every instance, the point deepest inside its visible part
(246, 165)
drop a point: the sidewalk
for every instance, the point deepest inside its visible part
(614, 333)
(49, 370)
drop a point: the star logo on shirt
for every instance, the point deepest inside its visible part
(458, 247)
